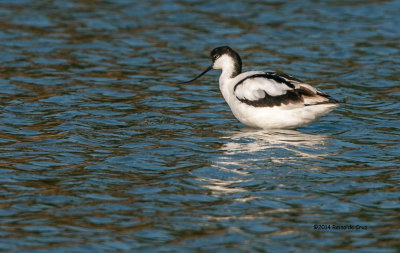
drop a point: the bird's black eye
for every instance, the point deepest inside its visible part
(215, 56)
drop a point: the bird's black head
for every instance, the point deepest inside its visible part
(217, 52)
(223, 57)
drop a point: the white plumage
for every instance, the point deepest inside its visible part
(255, 88)
(267, 100)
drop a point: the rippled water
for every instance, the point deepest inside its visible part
(101, 151)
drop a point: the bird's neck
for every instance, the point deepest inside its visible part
(231, 70)
(227, 74)
(225, 83)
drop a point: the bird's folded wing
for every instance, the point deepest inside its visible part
(259, 86)
(273, 89)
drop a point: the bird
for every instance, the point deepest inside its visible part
(266, 100)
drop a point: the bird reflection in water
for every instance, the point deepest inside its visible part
(249, 155)
(276, 144)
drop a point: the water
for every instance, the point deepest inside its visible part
(102, 152)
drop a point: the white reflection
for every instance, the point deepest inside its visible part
(259, 158)
(277, 146)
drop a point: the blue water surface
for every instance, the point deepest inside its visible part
(101, 150)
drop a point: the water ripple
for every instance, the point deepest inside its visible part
(102, 151)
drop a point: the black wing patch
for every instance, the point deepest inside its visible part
(269, 75)
(286, 76)
(291, 96)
